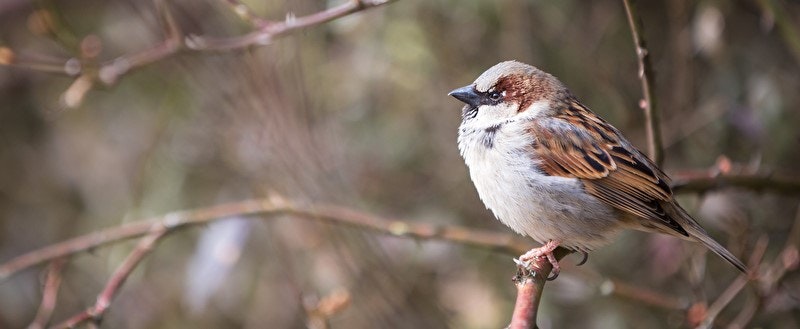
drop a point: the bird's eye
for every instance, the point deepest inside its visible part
(495, 96)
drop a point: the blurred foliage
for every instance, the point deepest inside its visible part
(356, 112)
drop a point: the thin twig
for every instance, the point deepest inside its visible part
(95, 313)
(648, 103)
(35, 62)
(737, 285)
(270, 30)
(529, 291)
(112, 70)
(269, 208)
(642, 295)
(109, 72)
(770, 279)
(746, 313)
(694, 183)
(610, 286)
(49, 294)
(787, 261)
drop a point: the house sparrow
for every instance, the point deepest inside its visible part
(550, 168)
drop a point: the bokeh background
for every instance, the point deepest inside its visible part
(355, 112)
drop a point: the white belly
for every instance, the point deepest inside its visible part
(521, 196)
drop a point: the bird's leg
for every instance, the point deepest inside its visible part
(544, 251)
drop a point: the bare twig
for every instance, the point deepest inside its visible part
(109, 72)
(96, 312)
(529, 291)
(611, 286)
(642, 295)
(648, 103)
(269, 207)
(737, 285)
(769, 280)
(35, 62)
(270, 30)
(49, 294)
(746, 313)
(704, 182)
(788, 260)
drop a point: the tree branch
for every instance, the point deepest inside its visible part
(648, 103)
(274, 206)
(641, 295)
(704, 182)
(49, 294)
(96, 312)
(737, 285)
(529, 291)
(109, 72)
(270, 30)
(38, 62)
(269, 208)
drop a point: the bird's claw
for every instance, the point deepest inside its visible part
(531, 267)
(528, 260)
(554, 274)
(584, 259)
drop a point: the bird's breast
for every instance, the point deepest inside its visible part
(511, 185)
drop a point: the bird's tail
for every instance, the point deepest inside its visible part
(699, 234)
(719, 250)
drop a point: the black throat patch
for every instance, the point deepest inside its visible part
(469, 112)
(489, 135)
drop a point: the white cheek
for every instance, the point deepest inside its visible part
(490, 113)
(536, 109)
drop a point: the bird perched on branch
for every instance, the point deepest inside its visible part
(550, 168)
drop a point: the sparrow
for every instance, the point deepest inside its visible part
(551, 169)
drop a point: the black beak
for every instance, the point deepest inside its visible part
(467, 94)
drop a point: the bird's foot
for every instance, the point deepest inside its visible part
(528, 260)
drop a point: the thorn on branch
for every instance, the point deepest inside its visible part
(290, 19)
(74, 95)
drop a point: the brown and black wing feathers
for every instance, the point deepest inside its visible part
(577, 143)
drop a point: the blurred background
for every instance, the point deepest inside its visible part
(355, 112)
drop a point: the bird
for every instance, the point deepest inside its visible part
(551, 169)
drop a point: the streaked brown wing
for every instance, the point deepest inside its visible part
(577, 143)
